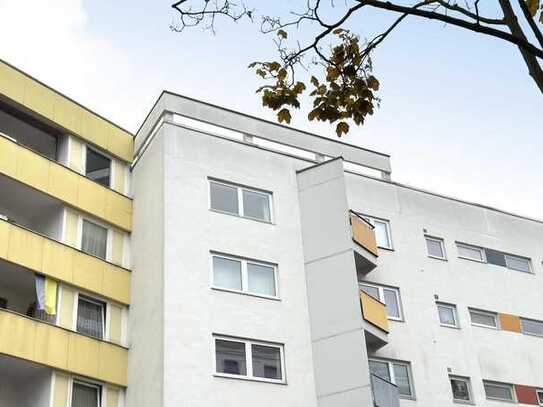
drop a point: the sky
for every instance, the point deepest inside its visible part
(459, 113)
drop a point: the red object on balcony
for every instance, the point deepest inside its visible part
(526, 394)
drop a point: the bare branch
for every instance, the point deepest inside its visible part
(466, 12)
(207, 14)
(531, 22)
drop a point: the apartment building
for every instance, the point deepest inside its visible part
(65, 224)
(216, 259)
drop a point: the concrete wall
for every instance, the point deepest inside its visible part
(146, 327)
(339, 348)
(194, 311)
(472, 351)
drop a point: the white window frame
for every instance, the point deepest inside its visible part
(249, 359)
(97, 151)
(502, 385)
(109, 235)
(512, 256)
(381, 298)
(466, 380)
(391, 364)
(105, 314)
(241, 209)
(455, 314)
(245, 275)
(486, 313)
(472, 247)
(91, 384)
(372, 219)
(529, 333)
(441, 243)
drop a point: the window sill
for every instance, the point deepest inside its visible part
(474, 260)
(464, 402)
(494, 328)
(265, 297)
(502, 400)
(249, 379)
(388, 249)
(438, 258)
(241, 217)
(450, 326)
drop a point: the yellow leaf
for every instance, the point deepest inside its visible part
(284, 116)
(342, 128)
(533, 5)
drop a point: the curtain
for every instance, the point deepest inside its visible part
(94, 239)
(84, 396)
(90, 318)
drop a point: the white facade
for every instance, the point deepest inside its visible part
(316, 320)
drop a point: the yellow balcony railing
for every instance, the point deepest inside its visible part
(374, 311)
(59, 348)
(35, 96)
(40, 254)
(363, 233)
(52, 178)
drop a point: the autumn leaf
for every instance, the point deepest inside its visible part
(342, 128)
(284, 116)
(533, 6)
(373, 83)
(282, 34)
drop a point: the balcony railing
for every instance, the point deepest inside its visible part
(363, 233)
(40, 254)
(58, 181)
(374, 311)
(385, 394)
(59, 348)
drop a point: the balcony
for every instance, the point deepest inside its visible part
(365, 245)
(385, 394)
(375, 321)
(19, 164)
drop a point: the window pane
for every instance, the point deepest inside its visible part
(226, 273)
(266, 362)
(224, 198)
(401, 377)
(498, 392)
(90, 317)
(518, 263)
(261, 279)
(483, 319)
(532, 327)
(435, 248)
(373, 291)
(460, 389)
(230, 357)
(84, 396)
(391, 302)
(379, 369)
(381, 234)
(94, 239)
(256, 205)
(470, 252)
(98, 167)
(446, 315)
(540, 397)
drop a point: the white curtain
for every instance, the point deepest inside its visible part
(94, 239)
(84, 396)
(90, 318)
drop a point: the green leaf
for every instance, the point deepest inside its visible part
(342, 128)
(284, 116)
(282, 34)
(533, 6)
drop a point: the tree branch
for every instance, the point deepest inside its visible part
(475, 16)
(531, 22)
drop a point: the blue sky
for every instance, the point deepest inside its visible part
(459, 115)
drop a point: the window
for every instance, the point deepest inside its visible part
(499, 391)
(540, 397)
(483, 318)
(447, 315)
(398, 373)
(435, 247)
(98, 167)
(249, 359)
(91, 317)
(382, 231)
(240, 201)
(471, 252)
(94, 239)
(389, 296)
(518, 263)
(461, 388)
(531, 327)
(236, 274)
(85, 394)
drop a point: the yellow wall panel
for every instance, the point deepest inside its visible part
(8, 157)
(62, 184)
(119, 169)
(4, 239)
(66, 311)
(374, 311)
(116, 284)
(119, 209)
(88, 272)
(115, 323)
(32, 169)
(113, 363)
(117, 245)
(60, 390)
(76, 155)
(39, 99)
(84, 355)
(58, 260)
(67, 114)
(510, 323)
(95, 130)
(92, 198)
(112, 396)
(12, 83)
(50, 346)
(70, 228)
(22, 335)
(25, 248)
(119, 144)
